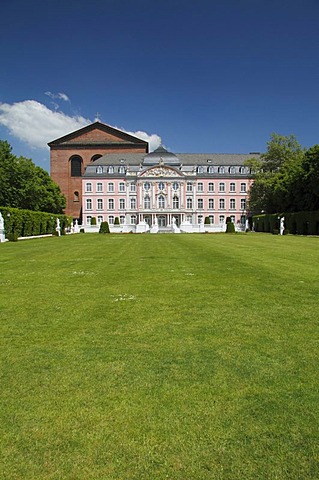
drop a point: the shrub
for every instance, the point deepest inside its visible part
(12, 237)
(207, 221)
(93, 221)
(82, 230)
(230, 227)
(116, 221)
(104, 228)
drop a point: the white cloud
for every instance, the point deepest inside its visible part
(153, 139)
(35, 124)
(58, 96)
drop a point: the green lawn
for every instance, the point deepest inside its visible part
(159, 357)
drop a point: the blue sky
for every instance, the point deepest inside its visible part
(204, 75)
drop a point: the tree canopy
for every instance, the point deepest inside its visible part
(25, 185)
(286, 177)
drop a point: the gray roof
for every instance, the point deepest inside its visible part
(215, 159)
(196, 164)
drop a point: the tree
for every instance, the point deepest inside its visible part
(306, 185)
(274, 175)
(24, 185)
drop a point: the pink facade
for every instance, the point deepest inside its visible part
(163, 188)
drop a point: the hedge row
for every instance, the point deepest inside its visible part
(298, 223)
(26, 223)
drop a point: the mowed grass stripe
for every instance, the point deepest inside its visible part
(165, 356)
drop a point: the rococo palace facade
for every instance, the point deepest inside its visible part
(109, 175)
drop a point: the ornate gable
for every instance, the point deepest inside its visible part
(161, 171)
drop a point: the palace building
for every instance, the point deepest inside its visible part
(109, 175)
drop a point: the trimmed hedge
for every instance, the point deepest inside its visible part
(104, 228)
(26, 223)
(297, 223)
(230, 227)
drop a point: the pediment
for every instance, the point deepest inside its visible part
(161, 171)
(97, 133)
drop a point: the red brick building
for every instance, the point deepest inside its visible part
(70, 154)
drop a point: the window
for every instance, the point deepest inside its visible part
(221, 219)
(200, 187)
(99, 187)
(243, 187)
(243, 170)
(189, 187)
(200, 169)
(99, 219)
(88, 220)
(111, 219)
(161, 201)
(99, 169)
(161, 186)
(200, 218)
(175, 186)
(122, 219)
(175, 202)
(111, 204)
(200, 203)
(210, 169)
(147, 202)
(210, 187)
(232, 218)
(133, 219)
(76, 197)
(121, 169)
(133, 203)
(88, 187)
(189, 218)
(232, 187)
(88, 204)
(147, 186)
(110, 169)
(121, 187)
(189, 203)
(211, 203)
(243, 204)
(221, 203)
(122, 204)
(211, 218)
(95, 157)
(232, 204)
(110, 187)
(76, 166)
(232, 170)
(99, 204)
(132, 187)
(222, 187)
(221, 170)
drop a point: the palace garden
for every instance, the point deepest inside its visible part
(184, 357)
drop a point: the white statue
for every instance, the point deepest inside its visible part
(282, 225)
(76, 226)
(2, 235)
(58, 228)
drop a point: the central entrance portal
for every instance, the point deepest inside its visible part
(162, 221)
